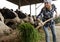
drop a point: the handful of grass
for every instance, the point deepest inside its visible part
(28, 33)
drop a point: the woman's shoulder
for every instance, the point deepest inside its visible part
(53, 5)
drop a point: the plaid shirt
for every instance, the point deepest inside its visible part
(47, 14)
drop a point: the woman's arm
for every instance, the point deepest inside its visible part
(40, 14)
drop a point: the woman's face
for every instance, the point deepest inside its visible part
(47, 5)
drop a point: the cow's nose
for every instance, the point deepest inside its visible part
(18, 20)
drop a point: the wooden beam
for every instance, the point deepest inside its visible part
(26, 1)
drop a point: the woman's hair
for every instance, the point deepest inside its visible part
(48, 7)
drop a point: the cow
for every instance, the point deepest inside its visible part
(24, 17)
(20, 14)
(1, 18)
(10, 17)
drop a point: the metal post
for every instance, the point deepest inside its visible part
(35, 10)
(30, 8)
(19, 4)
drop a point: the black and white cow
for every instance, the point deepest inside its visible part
(24, 17)
(10, 17)
(1, 17)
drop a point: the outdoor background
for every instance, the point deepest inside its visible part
(26, 9)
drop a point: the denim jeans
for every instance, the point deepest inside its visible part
(47, 36)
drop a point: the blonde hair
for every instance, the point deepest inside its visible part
(49, 8)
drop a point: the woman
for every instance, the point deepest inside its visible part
(45, 14)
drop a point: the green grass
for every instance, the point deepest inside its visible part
(29, 34)
(57, 20)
